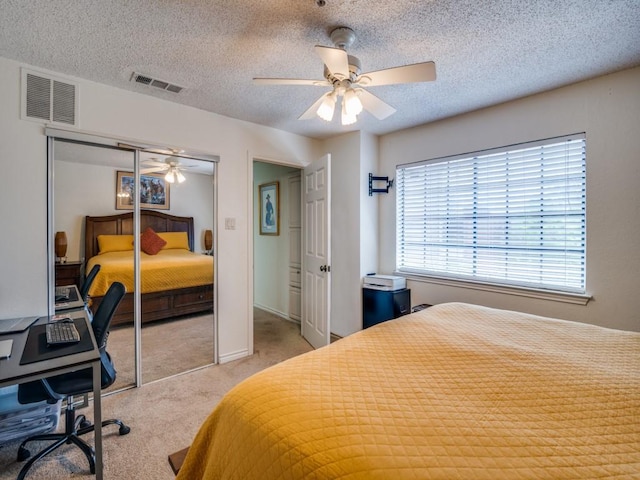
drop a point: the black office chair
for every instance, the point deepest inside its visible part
(75, 383)
(84, 291)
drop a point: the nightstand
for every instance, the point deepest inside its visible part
(381, 305)
(69, 273)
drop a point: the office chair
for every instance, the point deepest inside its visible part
(75, 383)
(84, 291)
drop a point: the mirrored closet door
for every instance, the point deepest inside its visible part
(166, 320)
(176, 229)
(83, 186)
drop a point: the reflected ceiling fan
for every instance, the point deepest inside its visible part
(171, 166)
(342, 72)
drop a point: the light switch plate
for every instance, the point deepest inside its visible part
(230, 223)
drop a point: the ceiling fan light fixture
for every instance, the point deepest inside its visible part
(180, 176)
(170, 177)
(352, 103)
(344, 73)
(347, 118)
(327, 107)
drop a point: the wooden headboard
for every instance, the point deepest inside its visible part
(123, 225)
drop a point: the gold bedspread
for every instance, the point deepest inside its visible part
(452, 392)
(168, 270)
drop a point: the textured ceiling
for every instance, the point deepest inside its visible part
(486, 51)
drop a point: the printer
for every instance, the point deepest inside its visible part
(384, 282)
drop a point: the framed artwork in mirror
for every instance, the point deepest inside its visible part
(154, 191)
(269, 208)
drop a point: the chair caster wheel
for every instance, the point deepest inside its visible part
(124, 430)
(23, 454)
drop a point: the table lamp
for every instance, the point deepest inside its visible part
(208, 240)
(60, 243)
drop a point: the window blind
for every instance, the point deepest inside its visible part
(511, 216)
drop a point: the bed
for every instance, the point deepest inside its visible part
(175, 280)
(455, 391)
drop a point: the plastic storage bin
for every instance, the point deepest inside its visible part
(21, 421)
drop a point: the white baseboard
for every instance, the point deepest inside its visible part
(230, 357)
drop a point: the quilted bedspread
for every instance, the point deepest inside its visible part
(168, 270)
(452, 392)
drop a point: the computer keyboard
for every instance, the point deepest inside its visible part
(62, 332)
(62, 293)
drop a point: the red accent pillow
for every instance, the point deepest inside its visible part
(150, 242)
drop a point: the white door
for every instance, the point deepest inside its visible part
(316, 280)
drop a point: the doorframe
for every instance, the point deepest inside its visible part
(251, 158)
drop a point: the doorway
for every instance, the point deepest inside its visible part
(277, 248)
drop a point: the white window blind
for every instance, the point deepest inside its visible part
(510, 216)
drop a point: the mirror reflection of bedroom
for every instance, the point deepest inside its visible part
(93, 216)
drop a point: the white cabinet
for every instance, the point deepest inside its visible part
(295, 246)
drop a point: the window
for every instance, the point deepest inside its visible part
(512, 216)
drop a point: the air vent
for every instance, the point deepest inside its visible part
(154, 82)
(174, 88)
(49, 99)
(142, 79)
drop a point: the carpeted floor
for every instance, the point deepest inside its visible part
(168, 348)
(164, 416)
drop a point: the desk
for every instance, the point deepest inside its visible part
(73, 303)
(12, 373)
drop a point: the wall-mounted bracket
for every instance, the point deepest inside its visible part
(372, 179)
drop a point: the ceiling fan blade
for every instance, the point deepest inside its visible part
(418, 72)
(290, 81)
(144, 171)
(374, 105)
(154, 163)
(336, 60)
(311, 111)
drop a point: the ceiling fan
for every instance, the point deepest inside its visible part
(342, 72)
(171, 165)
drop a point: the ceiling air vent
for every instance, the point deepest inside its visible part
(154, 82)
(49, 99)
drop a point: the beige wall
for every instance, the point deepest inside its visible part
(345, 233)
(608, 110)
(126, 115)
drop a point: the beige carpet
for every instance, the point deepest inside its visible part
(168, 348)
(164, 416)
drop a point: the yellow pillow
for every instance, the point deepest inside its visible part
(115, 243)
(175, 240)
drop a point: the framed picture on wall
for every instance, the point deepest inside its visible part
(154, 191)
(268, 194)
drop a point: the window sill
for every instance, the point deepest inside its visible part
(573, 298)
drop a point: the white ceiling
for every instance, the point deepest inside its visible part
(486, 51)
